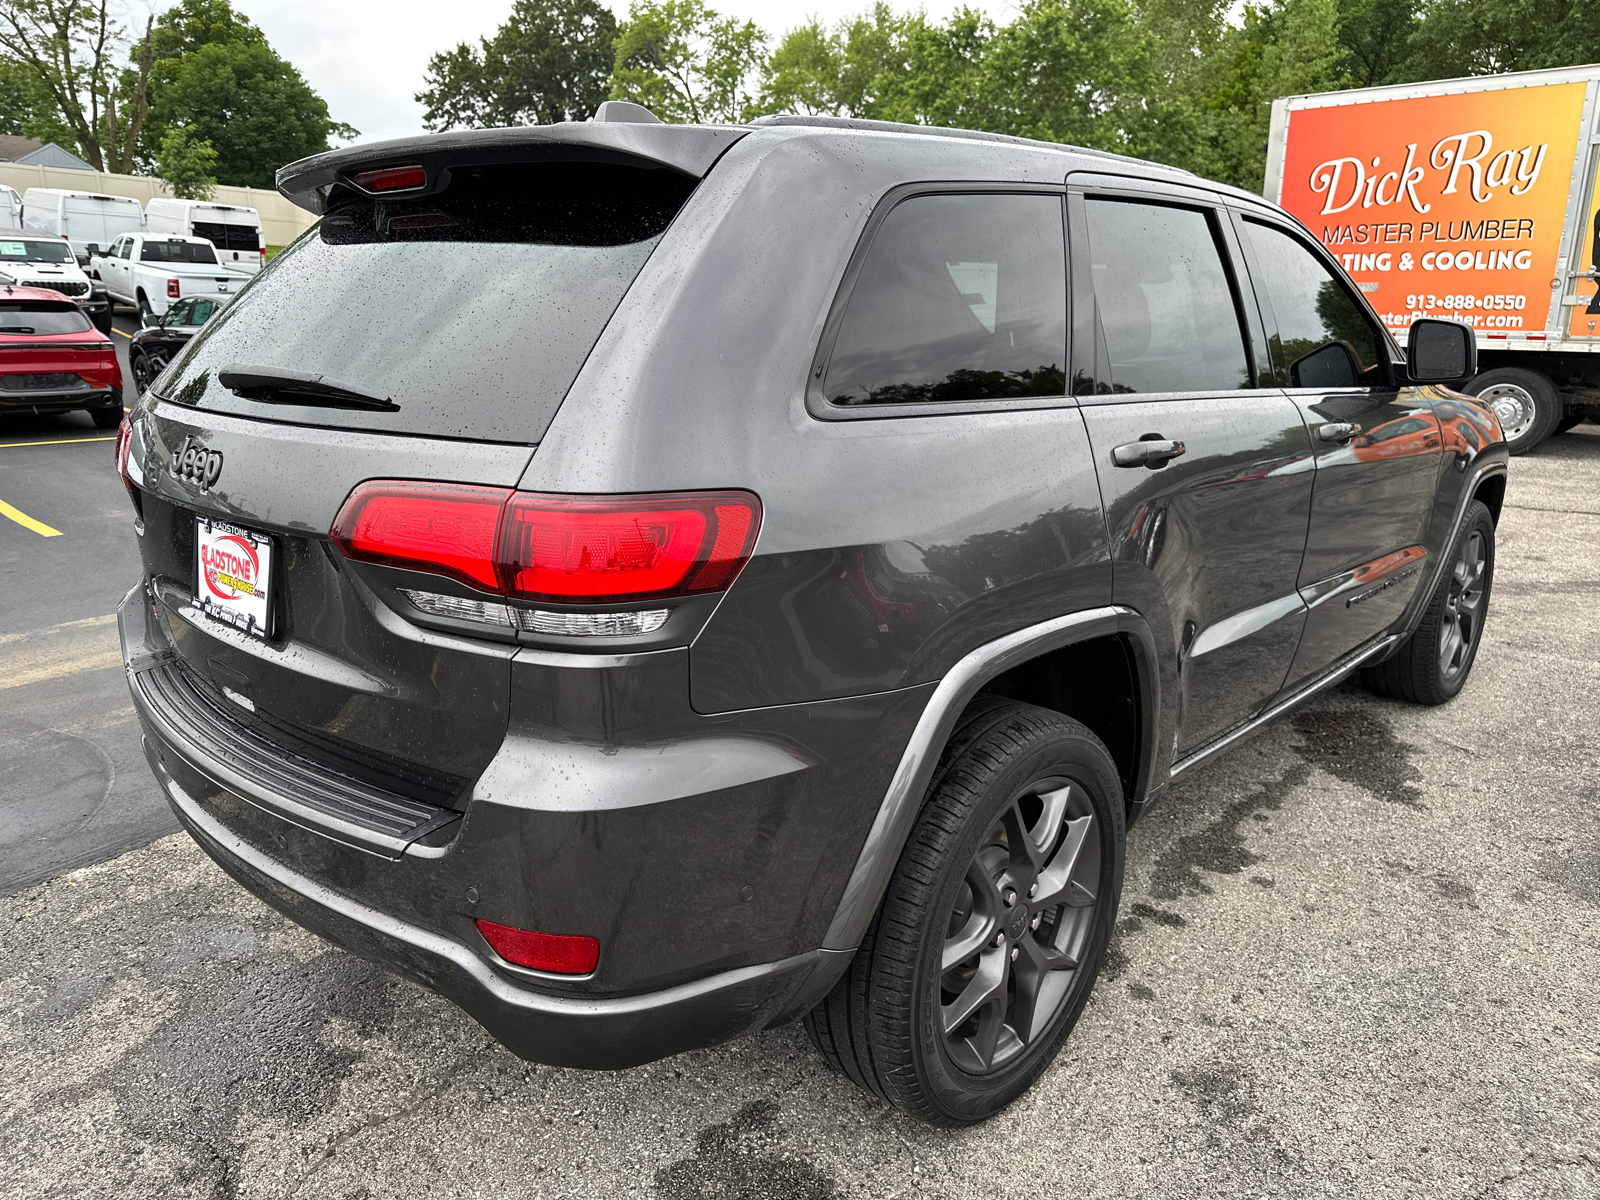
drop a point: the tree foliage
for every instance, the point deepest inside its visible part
(685, 62)
(185, 164)
(551, 61)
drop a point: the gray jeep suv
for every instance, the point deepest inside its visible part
(652, 583)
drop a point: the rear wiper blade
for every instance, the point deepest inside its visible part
(274, 385)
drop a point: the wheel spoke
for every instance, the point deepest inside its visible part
(1030, 975)
(987, 987)
(1056, 883)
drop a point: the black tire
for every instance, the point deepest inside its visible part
(1571, 421)
(107, 418)
(1429, 668)
(1526, 403)
(144, 307)
(143, 372)
(1030, 776)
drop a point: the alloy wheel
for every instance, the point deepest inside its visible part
(1463, 607)
(1020, 927)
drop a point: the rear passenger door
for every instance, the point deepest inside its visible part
(1207, 542)
(1378, 447)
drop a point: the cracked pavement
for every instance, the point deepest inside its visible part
(1357, 956)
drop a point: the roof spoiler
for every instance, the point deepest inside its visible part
(626, 134)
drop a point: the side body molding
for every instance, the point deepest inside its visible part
(903, 800)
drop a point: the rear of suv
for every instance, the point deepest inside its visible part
(652, 583)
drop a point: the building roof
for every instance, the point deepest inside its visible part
(52, 155)
(11, 146)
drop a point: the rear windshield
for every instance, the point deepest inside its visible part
(228, 237)
(177, 252)
(472, 310)
(23, 317)
(44, 250)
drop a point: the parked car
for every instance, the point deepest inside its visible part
(53, 360)
(46, 262)
(650, 583)
(81, 219)
(151, 271)
(235, 231)
(153, 347)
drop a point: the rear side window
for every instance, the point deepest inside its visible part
(472, 310)
(1168, 322)
(960, 297)
(42, 319)
(177, 252)
(1310, 306)
(228, 237)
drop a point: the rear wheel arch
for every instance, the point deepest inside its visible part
(1492, 493)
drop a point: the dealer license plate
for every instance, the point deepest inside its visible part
(234, 574)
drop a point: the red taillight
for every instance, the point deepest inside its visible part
(572, 549)
(172, 288)
(560, 954)
(391, 179)
(624, 547)
(444, 528)
(124, 444)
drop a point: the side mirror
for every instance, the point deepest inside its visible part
(92, 248)
(1443, 352)
(1331, 366)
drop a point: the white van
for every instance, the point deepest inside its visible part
(234, 231)
(84, 218)
(10, 208)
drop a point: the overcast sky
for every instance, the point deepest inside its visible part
(367, 57)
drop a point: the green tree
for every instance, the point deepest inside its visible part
(217, 77)
(66, 53)
(551, 61)
(1479, 37)
(185, 165)
(1376, 39)
(685, 62)
(27, 108)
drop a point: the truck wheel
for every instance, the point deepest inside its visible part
(995, 923)
(1433, 664)
(1525, 402)
(144, 307)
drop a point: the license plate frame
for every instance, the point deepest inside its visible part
(234, 575)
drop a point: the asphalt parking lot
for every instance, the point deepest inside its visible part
(1357, 957)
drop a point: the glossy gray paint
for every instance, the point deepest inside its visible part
(776, 740)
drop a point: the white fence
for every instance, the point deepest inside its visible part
(281, 222)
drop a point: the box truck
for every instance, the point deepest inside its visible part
(1474, 199)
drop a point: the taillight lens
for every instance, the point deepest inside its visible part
(560, 954)
(442, 528)
(571, 549)
(124, 445)
(625, 547)
(172, 288)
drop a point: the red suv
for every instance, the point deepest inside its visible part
(53, 360)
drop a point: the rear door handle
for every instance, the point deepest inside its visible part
(1338, 431)
(1150, 451)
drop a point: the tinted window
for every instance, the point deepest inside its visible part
(472, 310)
(201, 313)
(49, 250)
(959, 298)
(1310, 306)
(1167, 314)
(178, 314)
(177, 252)
(42, 318)
(228, 237)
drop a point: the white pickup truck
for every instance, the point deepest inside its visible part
(154, 271)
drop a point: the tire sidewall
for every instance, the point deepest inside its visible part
(1547, 405)
(958, 1096)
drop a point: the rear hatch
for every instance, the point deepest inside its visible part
(445, 327)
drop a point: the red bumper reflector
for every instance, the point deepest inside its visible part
(558, 953)
(391, 179)
(570, 549)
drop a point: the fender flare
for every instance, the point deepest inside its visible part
(903, 800)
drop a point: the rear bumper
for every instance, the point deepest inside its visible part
(568, 1031)
(707, 866)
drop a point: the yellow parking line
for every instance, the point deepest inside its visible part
(27, 522)
(129, 336)
(58, 442)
